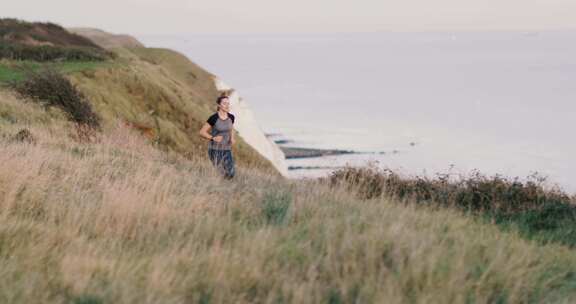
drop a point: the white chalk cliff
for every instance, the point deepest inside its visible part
(250, 131)
(246, 124)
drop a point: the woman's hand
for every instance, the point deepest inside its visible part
(232, 140)
(218, 138)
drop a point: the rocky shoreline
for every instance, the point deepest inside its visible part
(296, 152)
(292, 152)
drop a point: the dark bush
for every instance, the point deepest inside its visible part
(475, 192)
(51, 88)
(44, 53)
(12, 30)
(23, 136)
(537, 212)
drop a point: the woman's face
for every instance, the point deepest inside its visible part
(225, 105)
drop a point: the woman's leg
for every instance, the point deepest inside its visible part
(216, 159)
(223, 161)
(212, 154)
(228, 164)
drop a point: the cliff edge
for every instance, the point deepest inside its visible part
(246, 125)
(157, 91)
(107, 40)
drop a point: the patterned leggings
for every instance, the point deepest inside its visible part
(223, 161)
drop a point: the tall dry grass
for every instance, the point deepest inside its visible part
(163, 90)
(535, 208)
(117, 221)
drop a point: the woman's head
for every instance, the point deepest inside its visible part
(223, 103)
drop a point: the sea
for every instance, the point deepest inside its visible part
(418, 103)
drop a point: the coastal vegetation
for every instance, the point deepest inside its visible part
(20, 40)
(118, 220)
(158, 92)
(533, 208)
(14, 51)
(14, 71)
(51, 88)
(137, 214)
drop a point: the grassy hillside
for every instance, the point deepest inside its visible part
(162, 90)
(107, 40)
(21, 40)
(119, 221)
(40, 33)
(138, 215)
(157, 91)
(11, 70)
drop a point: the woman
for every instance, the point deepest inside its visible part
(219, 130)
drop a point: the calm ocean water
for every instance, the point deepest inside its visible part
(499, 102)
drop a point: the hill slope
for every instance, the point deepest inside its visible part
(119, 221)
(46, 42)
(138, 215)
(38, 33)
(160, 90)
(107, 40)
(157, 91)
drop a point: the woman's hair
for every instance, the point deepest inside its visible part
(220, 98)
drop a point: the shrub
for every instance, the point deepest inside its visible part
(20, 40)
(368, 182)
(43, 53)
(23, 136)
(545, 215)
(275, 207)
(475, 192)
(53, 89)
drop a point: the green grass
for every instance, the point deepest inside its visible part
(8, 74)
(14, 30)
(117, 221)
(14, 71)
(554, 223)
(531, 209)
(131, 227)
(50, 87)
(275, 208)
(183, 96)
(72, 67)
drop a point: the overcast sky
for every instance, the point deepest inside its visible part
(271, 16)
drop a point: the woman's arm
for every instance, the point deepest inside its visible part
(204, 131)
(232, 137)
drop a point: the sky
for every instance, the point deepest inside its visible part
(297, 16)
